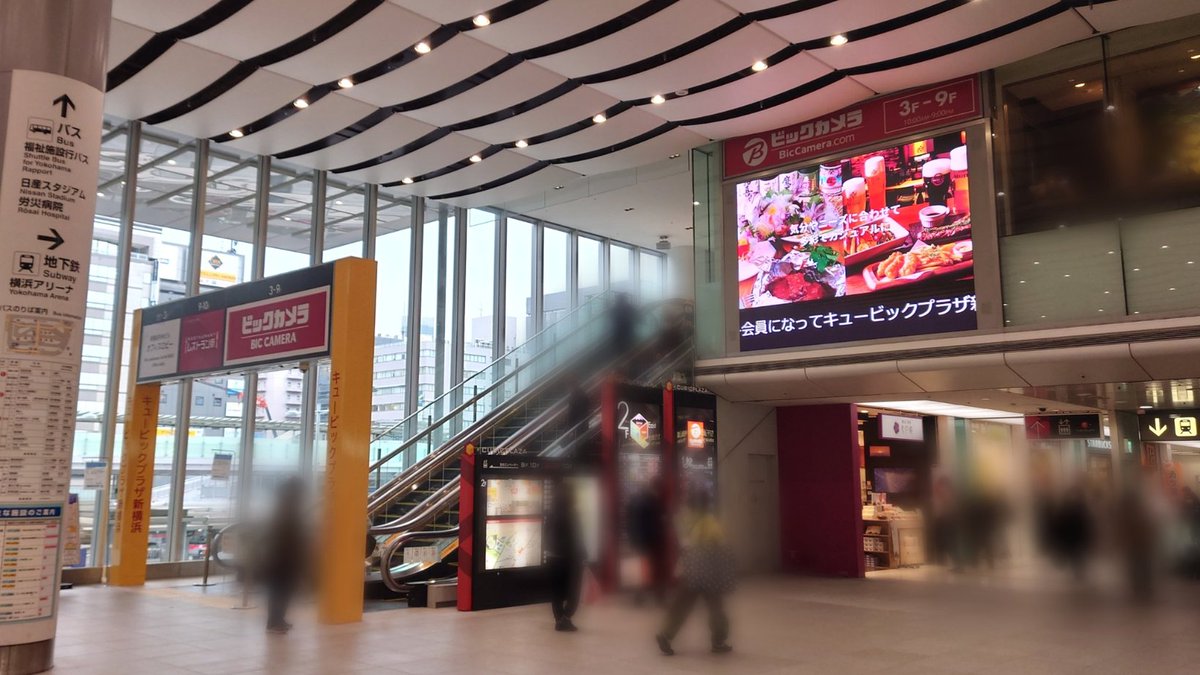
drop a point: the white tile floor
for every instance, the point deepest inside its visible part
(781, 625)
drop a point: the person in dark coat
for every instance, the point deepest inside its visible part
(624, 327)
(285, 550)
(565, 556)
(647, 529)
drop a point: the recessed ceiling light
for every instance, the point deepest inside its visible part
(1080, 85)
(1145, 407)
(673, 156)
(559, 187)
(658, 99)
(100, 195)
(759, 66)
(1191, 262)
(1111, 108)
(1171, 288)
(1099, 310)
(695, 203)
(475, 159)
(522, 143)
(838, 40)
(345, 83)
(1066, 276)
(1195, 57)
(338, 202)
(1022, 281)
(599, 118)
(1107, 292)
(999, 194)
(1165, 246)
(287, 217)
(481, 20)
(300, 103)
(1137, 269)
(406, 180)
(628, 209)
(171, 162)
(422, 47)
(1111, 252)
(236, 133)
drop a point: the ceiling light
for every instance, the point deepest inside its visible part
(759, 66)
(1165, 246)
(1111, 252)
(481, 20)
(422, 47)
(559, 187)
(345, 83)
(1066, 276)
(236, 133)
(1137, 269)
(838, 40)
(1037, 262)
(673, 156)
(300, 103)
(1191, 262)
(599, 118)
(1080, 85)
(171, 162)
(475, 159)
(658, 99)
(338, 202)
(100, 195)
(695, 203)
(1171, 288)
(1145, 407)
(1195, 57)
(1111, 108)
(522, 143)
(406, 180)
(1107, 292)
(287, 217)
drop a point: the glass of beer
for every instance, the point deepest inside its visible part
(936, 173)
(854, 197)
(958, 175)
(875, 171)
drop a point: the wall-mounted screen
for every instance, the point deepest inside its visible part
(874, 245)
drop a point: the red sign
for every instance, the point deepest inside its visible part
(881, 451)
(279, 328)
(200, 338)
(695, 435)
(862, 124)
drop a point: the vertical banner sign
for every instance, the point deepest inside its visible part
(50, 150)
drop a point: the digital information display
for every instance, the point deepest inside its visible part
(874, 245)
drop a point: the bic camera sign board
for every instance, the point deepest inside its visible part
(274, 320)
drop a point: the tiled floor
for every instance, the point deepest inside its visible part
(781, 625)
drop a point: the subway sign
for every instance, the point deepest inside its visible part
(1169, 425)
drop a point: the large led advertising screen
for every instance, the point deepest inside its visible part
(873, 245)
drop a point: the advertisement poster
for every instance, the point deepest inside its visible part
(696, 446)
(901, 428)
(872, 245)
(639, 464)
(288, 326)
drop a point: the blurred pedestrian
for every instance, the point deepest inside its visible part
(579, 412)
(647, 528)
(707, 573)
(565, 556)
(285, 551)
(944, 524)
(1074, 530)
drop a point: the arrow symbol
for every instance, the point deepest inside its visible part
(1038, 427)
(64, 102)
(57, 239)
(1158, 428)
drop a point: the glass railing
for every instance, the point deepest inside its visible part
(411, 439)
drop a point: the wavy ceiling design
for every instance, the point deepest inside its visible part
(446, 104)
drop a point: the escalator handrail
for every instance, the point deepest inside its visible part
(599, 299)
(422, 513)
(386, 554)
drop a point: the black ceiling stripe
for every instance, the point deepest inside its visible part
(677, 52)
(349, 132)
(229, 80)
(503, 180)
(801, 90)
(777, 11)
(411, 146)
(159, 43)
(599, 31)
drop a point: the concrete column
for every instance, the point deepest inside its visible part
(52, 66)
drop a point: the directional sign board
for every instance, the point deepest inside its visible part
(1063, 427)
(1169, 425)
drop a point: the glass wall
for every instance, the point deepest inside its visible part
(179, 247)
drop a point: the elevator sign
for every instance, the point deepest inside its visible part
(1063, 427)
(1169, 425)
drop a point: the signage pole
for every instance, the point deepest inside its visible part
(352, 353)
(51, 121)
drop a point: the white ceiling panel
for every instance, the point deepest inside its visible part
(538, 181)
(447, 11)
(1062, 29)
(375, 38)
(781, 77)
(497, 166)
(840, 17)
(678, 23)
(266, 24)
(716, 60)
(157, 15)
(835, 96)
(173, 77)
(1116, 15)
(456, 60)
(125, 39)
(958, 24)
(618, 128)
(448, 150)
(256, 96)
(549, 22)
(675, 141)
(498, 94)
(327, 116)
(580, 104)
(393, 132)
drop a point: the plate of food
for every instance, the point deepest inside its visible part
(799, 276)
(867, 242)
(959, 228)
(921, 262)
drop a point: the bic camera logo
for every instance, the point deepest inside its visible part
(755, 152)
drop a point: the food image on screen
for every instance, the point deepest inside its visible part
(514, 497)
(512, 543)
(894, 481)
(846, 249)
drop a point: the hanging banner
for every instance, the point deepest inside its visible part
(862, 124)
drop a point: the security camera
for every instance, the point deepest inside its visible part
(1041, 410)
